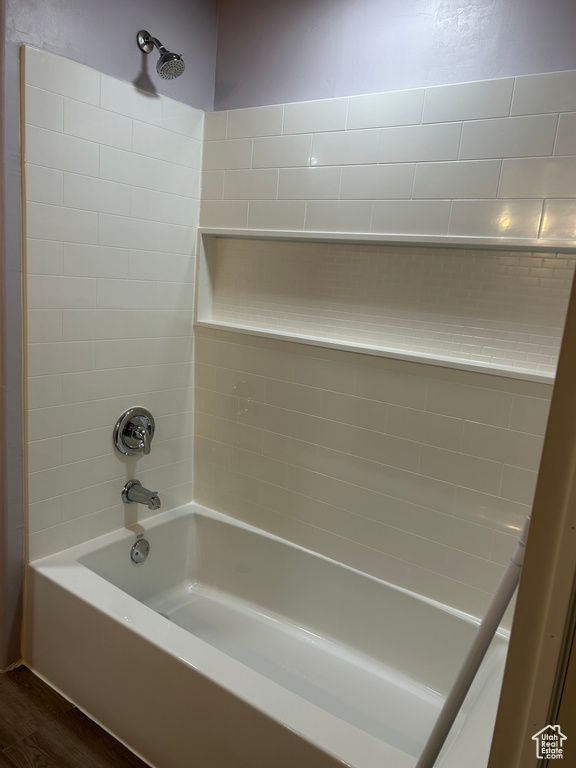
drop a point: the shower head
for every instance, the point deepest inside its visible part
(170, 65)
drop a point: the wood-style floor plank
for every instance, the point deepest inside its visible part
(26, 704)
(71, 741)
(41, 729)
(4, 762)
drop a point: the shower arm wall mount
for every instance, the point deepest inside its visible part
(146, 42)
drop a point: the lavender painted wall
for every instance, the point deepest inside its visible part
(272, 51)
(102, 34)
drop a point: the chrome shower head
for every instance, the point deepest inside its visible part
(170, 65)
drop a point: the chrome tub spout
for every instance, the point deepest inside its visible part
(135, 493)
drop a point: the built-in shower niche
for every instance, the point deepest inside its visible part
(487, 308)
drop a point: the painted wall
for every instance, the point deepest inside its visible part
(103, 35)
(273, 52)
(112, 191)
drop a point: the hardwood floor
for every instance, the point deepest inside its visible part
(40, 729)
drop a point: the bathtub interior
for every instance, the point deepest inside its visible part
(375, 656)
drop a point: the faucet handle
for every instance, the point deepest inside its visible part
(134, 431)
(141, 434)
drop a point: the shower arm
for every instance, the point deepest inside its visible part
(146, 43)
(486, 632)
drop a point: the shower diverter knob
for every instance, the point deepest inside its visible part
(134, 431)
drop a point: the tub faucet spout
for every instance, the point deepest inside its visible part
(135, 493)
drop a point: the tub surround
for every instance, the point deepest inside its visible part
(363, 473)
(418, 474)
(112, 189)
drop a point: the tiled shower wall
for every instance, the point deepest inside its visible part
(495, 158)
(409, 471)
(418, 474)
(112, 190)
(412, 472)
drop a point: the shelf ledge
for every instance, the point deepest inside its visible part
(436, 241)
(396, 354)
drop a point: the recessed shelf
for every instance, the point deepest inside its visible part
(435, 241)
(486, 307)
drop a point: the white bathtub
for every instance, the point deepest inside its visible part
(230, 647)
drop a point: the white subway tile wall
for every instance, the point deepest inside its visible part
(445, 151)
(500, 308)
(414, 473)
(419, 474)
(112, 187)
